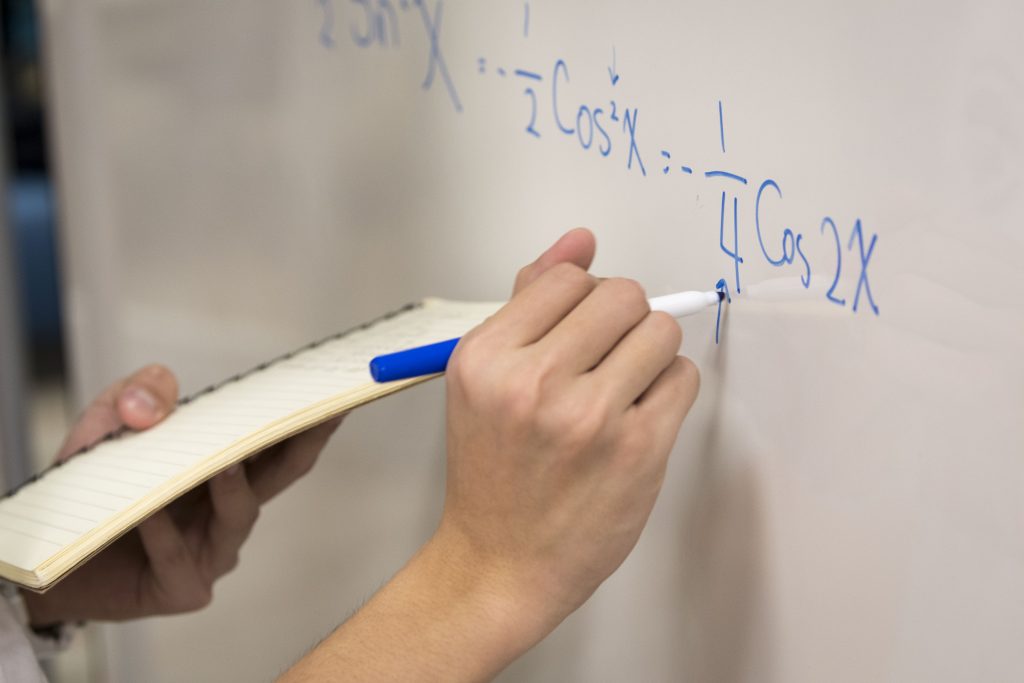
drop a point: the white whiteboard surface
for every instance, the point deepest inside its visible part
(846, 500)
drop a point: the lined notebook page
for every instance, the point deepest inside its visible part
(52, 524)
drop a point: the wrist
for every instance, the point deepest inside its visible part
(513, 607)
(453, 613)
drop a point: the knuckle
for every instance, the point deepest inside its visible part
(628, 294)
(665, 327)
(683, 380)
(193, 595)
(524, 276)
(250, 514)
(301, 468)
(571, 276)
(230, 563)
(469, 361)
(201, 597)
(496, 386)
(689, 373)
(464, 355)
(573, 423)
(240, 511)
(543, 372)
(176, 556)
(585, 430)
(519, 398)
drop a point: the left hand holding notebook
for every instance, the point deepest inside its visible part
(170, 562)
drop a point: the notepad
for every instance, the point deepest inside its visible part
(62, 517)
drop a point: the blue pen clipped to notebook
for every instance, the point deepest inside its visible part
(433, 358)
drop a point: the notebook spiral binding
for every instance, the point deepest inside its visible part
(185, 400)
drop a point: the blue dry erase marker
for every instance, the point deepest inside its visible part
(433, 358)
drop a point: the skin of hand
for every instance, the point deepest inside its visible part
(562, 410)
(168, 564)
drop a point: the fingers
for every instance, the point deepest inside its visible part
(138, 401)
(546, 290)
(668, 400)
(576, 247)
(540, 306)
(181, 574)
(174, 582)
(295, 457)
(638, 360)
(235, 509)
(596, 325)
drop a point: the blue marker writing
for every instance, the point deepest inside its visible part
(433, 358)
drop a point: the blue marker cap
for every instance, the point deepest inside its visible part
(423, 360)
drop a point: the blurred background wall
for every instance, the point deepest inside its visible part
(34, 405)
(241, 177)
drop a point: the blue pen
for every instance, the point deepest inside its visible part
(433, 358)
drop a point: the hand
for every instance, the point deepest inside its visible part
(562, 410)
(169, 563)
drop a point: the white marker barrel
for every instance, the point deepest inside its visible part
(684, 303)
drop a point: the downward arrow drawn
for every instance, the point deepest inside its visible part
(611, 70)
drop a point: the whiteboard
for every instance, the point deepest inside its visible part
(844, 503)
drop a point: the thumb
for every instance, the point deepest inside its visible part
(147, 397)
(576, 246)
(137, 402)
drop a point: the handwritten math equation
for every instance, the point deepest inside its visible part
(607, 127)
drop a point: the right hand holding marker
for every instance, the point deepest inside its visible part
(562, 410)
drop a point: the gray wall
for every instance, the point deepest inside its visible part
(843, 504)
(13, 438)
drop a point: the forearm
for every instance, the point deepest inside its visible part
(440, 618)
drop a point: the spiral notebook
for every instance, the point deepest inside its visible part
(59, 519)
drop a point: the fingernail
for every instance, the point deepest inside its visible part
(140, 401)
